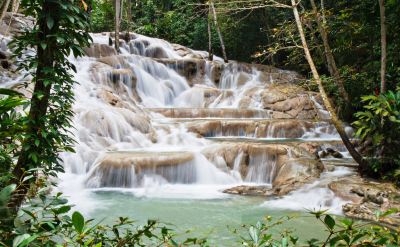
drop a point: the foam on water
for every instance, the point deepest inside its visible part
(315, 196)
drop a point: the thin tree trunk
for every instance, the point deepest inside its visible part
(214, 14)
(38, 108)
(338, 124)
(330, 59)
(383, 45)
(323, 11)
(210, 54)
(4, 9)
(117, 22)
(129, 13)
(15, 6)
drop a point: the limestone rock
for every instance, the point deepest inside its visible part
(99, 50)
(367, 197)
(246, 190)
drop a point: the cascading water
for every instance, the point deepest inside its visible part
(141, 118)
(119, 146)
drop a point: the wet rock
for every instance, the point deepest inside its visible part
(280, 115)
(334, 153)
(114, 61)
(126, 169)
(210, 112)
(3, 55)
(192, 69)
(99, 50)
(5, 64)
(281, 164)
(155, 52)
(246, 190)
(367, 197)
(242, 79)
(216, 69)
(15, 23)
(330, 152)
(295, 173)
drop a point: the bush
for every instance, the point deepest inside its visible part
(49, 221)
(378, 126)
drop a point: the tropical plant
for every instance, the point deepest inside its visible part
(339, 232)
(379, 125)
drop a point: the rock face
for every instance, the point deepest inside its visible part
(278, 165)
(99, 50)
(285, 128)
(127, 169)
(15, 23)
(367, 197)
(209, 112)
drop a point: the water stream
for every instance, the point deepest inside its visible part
(137, 155)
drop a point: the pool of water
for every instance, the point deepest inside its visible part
(213, 219)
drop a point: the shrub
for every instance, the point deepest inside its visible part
(379, 126)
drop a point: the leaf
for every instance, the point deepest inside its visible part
(78, 221)
(253, 232)
(9, 92)
(284, 242)
(50, 22)
(63, 209)
(329, 221)
(5, 193)
(43, 45)
(23, 240)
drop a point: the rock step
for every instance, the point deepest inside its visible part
(344, 162)
(273, 128)
(287, 141)
(211, 113)
(127, 169)
(144, 159)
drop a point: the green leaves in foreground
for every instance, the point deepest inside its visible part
(378, 126)
(78, 221)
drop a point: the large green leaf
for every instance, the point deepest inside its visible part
(5, 194)
(78, 221)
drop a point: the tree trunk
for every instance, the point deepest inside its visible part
(129, 13)
(214, 14)
(117, 23)
(330, 59)
(210, 54)
(338, 124)
(383, 45)
(15, 6)
(4, 9)
(38, 108)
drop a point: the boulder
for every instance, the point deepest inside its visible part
(246, 190)
(295, 173)
(99, 50)
(367, 197)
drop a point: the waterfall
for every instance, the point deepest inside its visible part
(119, 98)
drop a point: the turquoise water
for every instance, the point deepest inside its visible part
(208, 218)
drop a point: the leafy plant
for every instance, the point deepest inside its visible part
(340, 232)
(379, 125)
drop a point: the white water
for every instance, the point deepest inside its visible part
(137, 82)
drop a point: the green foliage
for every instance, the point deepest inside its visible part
(30, 143)
(102, 16)
(339, 232)
(48, 222)
(48, 123)
(379, 124)
(11, 128)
